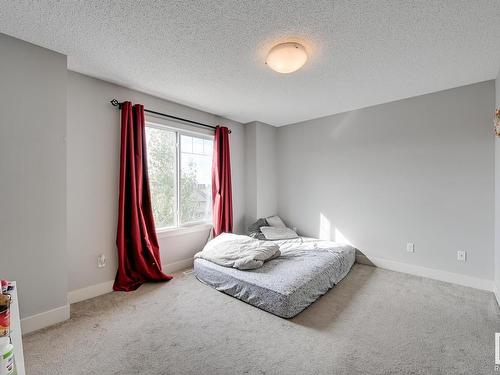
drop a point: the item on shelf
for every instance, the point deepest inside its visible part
(7, 366)
(5, 285)
(4, 314)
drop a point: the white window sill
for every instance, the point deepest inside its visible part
(171, 232)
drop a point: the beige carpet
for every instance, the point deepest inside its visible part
(373, 322)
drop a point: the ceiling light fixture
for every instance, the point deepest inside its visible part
(287, 57)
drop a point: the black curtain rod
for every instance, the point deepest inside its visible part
(116, 103)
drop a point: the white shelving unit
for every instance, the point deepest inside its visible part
(16, 334)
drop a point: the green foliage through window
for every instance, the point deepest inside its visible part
(181, 192)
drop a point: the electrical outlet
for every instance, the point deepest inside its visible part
(461, 256)
(410, 247)
(101, 261)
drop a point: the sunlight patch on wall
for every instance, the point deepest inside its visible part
(340, 238)
(325, 231)
(324, 227)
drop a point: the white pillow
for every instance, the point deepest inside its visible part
(275, 221)
(278, 233)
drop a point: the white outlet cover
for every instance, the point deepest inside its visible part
(462, 256)
(410, 247)
(101, 261)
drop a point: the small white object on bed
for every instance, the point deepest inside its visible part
(275, 221)
(278, 233)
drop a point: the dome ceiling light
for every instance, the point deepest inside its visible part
(286, 57)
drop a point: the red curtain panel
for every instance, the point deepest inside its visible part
(138, 250)
(222, 197)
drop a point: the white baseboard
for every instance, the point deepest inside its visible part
(45, 319)
(178, 266)
(89, 292)
(431, 273)
(96, 290)
(60, 314)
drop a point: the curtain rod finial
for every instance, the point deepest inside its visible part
(115, 103)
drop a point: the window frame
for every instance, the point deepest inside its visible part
(191, 226)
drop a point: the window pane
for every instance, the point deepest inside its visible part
(197, 145)
(196, 180)
(208, 146)
(187, 144)
(162, 175)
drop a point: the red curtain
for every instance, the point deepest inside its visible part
(138, 250)
(222, 197)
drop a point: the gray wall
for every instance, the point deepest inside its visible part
(33, 174)
(93, 163)
(497, 197)
(260, 171)
(417, 170)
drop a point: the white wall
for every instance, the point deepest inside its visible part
(250, 173)
(92, 168)
(267, 202)
(497, 198)
(260, 167)
(33, 174)
(417, 170)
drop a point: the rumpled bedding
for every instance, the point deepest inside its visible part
(306, 269)
(237, 251)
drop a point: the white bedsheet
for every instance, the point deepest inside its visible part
(236, 251)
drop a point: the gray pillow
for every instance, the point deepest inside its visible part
(254, 229)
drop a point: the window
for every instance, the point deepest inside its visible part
(180, 176)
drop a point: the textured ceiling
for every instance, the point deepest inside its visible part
(210, 54)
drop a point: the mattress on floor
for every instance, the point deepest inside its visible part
(306, 269)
